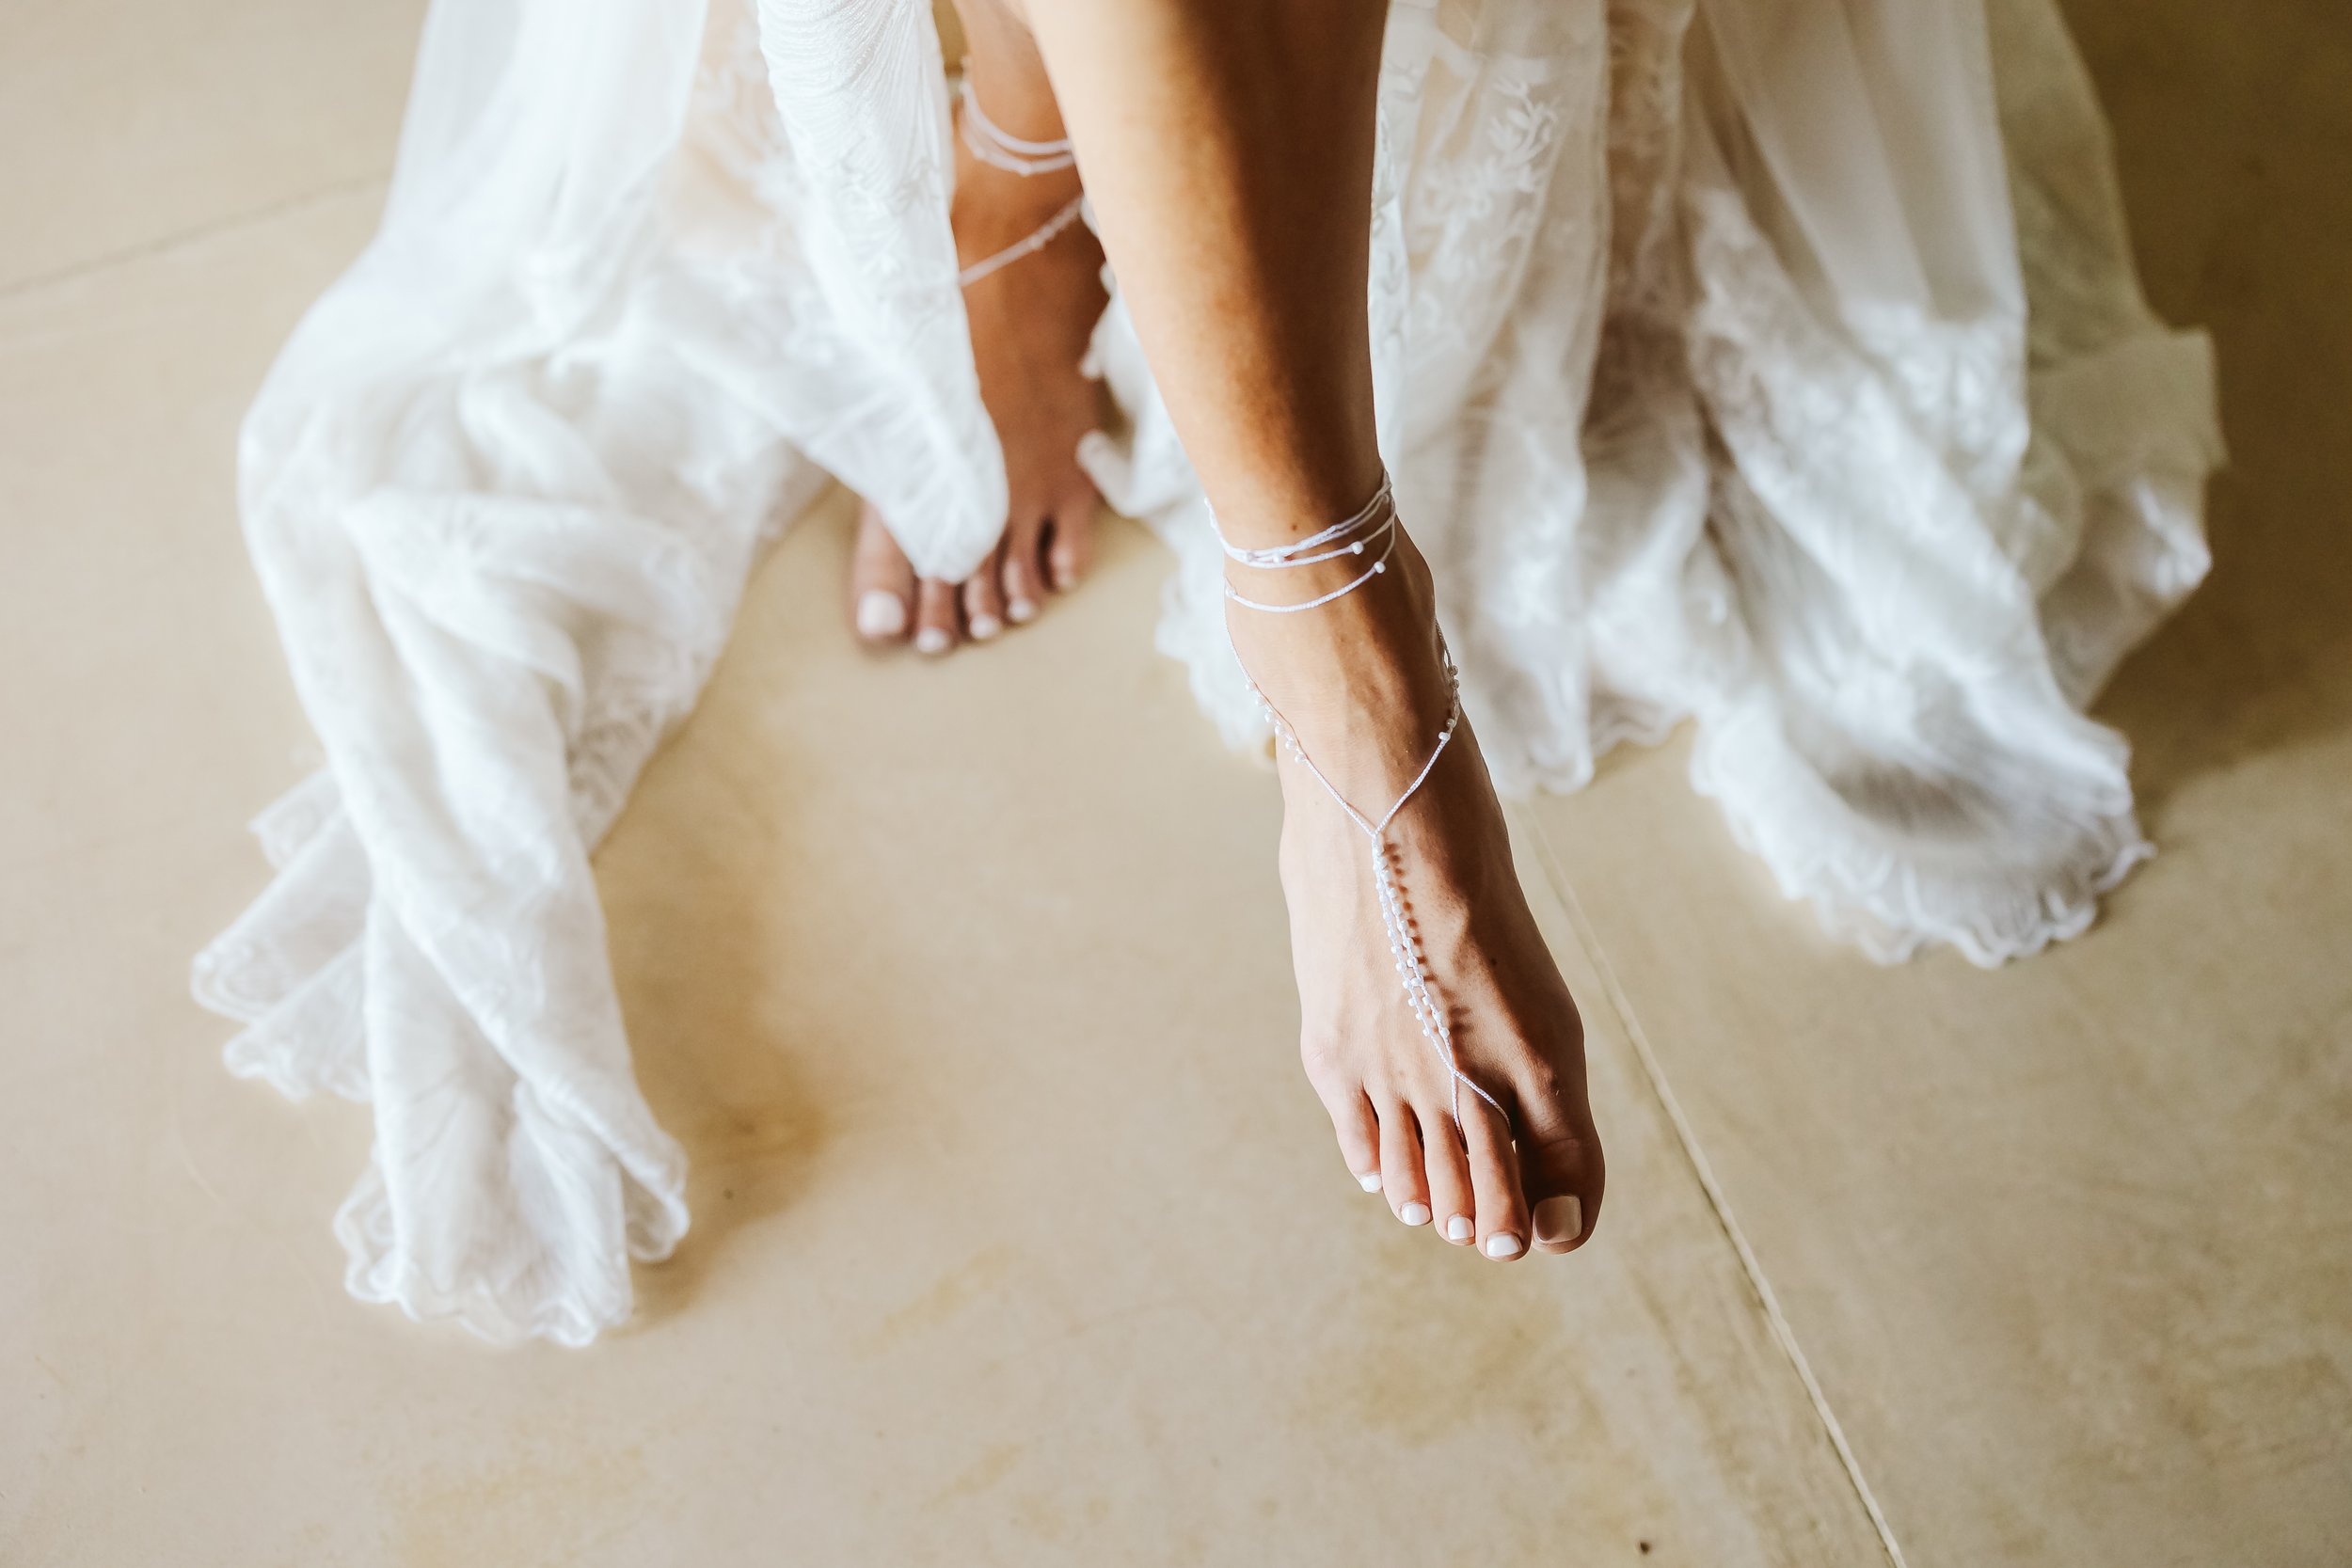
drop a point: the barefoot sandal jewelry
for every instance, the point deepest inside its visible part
(993, 145)
(1374, 529)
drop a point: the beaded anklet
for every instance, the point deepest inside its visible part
(999, 149)
(1377, 523)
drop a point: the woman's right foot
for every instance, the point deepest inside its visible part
(1031, 323)
(1361, 683)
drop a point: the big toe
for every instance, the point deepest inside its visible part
(1559, 1152)
(1564, 1178)
(882, 584)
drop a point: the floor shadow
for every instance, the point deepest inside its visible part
(711, 986)
(717, 1054)
(2236, 150)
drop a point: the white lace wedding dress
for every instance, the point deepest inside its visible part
(1779, 366)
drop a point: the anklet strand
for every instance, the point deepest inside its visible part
(1377, 520)
(999, 149)
(993, 145)
(1028, 244)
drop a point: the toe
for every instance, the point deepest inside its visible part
(1358, 1131)
(1560, 1223)
(1070, 543)
(935, 625)
(983, 602)
(1502, 1221)
(1452, 1200)
(1401, 1175)
(1023, 570)
(1562, 1174)
(881, 584)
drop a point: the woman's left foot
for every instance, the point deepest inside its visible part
(1031, 322)
(1362, 684)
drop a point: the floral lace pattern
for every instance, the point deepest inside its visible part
(1873, 477)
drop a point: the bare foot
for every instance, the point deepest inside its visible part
(1361, 683)
(1030, 324)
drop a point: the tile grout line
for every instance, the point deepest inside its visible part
(1784, 1332)
(149, 250)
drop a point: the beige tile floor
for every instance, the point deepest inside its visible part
(128, 125)
(1046, 1257)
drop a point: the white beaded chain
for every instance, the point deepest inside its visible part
(1376, 521)
(1028, 244)
(993, 145)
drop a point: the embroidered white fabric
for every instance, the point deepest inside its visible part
(1779, 366)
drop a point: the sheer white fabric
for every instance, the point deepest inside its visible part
(1779, 366)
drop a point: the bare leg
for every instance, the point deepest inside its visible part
(1030, 324)
(1228, 146)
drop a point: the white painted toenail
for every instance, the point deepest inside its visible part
(1414, 1214)
(986, 626)
(1560, 1220)
(1370, 1181)
(1458, 1228)
(931, 640)
(1503, 1244)
(1022, 611)
(880, 613)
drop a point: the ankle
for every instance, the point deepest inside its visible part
(992, 209)
(1363, 680)
(1009, 186)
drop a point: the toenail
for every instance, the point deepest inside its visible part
(1414, 1214)
(1503, 1244)
(880, 613)
(1560, 1220)
(931, 640)
(986, 626)
(1370, 1180)
(1458, 1228)
(1022, 611)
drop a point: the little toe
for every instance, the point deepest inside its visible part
(1452, 1199)
(1358, 1131)
(983, 603)
(935, 624)
(1503, 1220)
(1069, 542)
(1022, 571)
(881, 584)
(1401, 1175)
